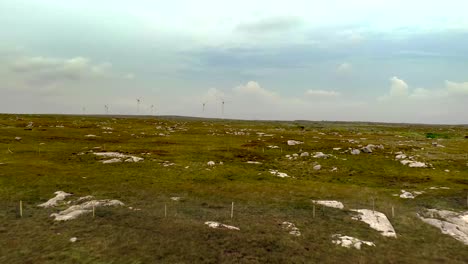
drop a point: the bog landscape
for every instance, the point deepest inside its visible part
(162, 189)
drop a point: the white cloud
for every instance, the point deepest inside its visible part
(45, 70)
(321, 93)
(253, 88)
(398, 88)
(457, 88)
(344, 68)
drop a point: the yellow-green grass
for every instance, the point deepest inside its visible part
(33, 172)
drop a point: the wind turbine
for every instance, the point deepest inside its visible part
(204, 104)
(152, 109)
(222, 105)
(84, 110)
(138, 105)
(107, 109)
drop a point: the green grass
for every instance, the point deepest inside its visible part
(32, 172)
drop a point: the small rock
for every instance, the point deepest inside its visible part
(317, 167)
(355, 152)
(73, 239)
(367, 149)
(320, 155)
(406, 195)
(293, 230)
(294, 142)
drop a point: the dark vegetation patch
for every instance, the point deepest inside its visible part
(437, 135)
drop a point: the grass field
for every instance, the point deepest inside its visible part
(54, 154)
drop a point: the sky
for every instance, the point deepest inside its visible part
(336, 60)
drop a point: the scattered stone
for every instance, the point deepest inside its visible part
(437, 188)
(348, 242)
(305, 154)
(18, 138)
(367, 149)
(59, 196)
(355, 152)
(117, 157)
(450, 223)
(400, 156)
(329, 203)
(279, 174)
(76, 210)
(134, 159)
(317, 167)
(217, 225)
(293, 230)
(320, 155)
(114, 160)
(414, 164)
(253, 162)
(273, 147)
(336, 149)
(176, 198)
(417, 164)
(294, 142)
(73, 239)
(85, 198)
(211, 163)
(90, 135)
(376, 220)
(406, 195)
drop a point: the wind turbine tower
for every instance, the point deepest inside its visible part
(138, 105)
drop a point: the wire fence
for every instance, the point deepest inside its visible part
(197, 209)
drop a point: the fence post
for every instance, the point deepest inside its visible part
(21, 208)
(232, 210)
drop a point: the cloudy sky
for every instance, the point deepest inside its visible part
(350, 60)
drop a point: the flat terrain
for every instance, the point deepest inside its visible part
(42, 154)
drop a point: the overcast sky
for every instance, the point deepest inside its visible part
(350, 60)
